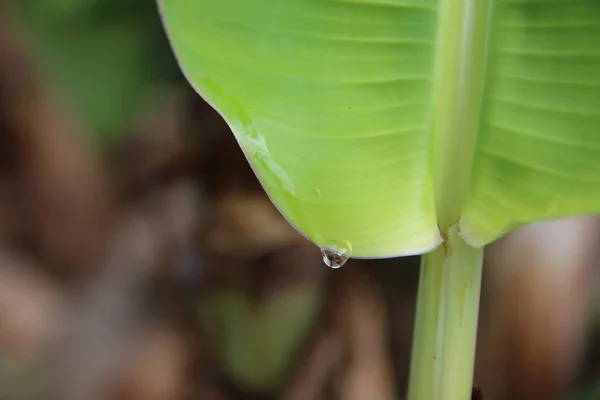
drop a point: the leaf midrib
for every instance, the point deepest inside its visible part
(460, 62)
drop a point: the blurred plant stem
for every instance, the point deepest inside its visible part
(443, 352)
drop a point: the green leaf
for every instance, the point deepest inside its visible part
(538, 150)
(103, 61)
(258, 342)
(372, 122)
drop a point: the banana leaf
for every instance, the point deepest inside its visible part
(373, 123)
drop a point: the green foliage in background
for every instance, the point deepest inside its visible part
(259, 340)
(592, 393)
(371, 122)
(103, 56)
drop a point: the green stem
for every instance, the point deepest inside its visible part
(444, 339)
(448, 302)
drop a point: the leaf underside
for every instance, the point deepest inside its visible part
(332, 102)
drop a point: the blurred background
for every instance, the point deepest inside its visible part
(140, 259)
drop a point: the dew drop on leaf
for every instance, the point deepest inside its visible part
(334, 258)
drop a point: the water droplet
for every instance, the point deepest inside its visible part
(317, 191)
(334, 258)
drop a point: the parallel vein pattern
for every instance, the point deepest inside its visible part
(538, 151)
(331, 101)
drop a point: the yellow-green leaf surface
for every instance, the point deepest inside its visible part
(538, 150)
(371, 122)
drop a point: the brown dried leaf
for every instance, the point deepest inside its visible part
(349, 356)
(534, 313)
(60, 185)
